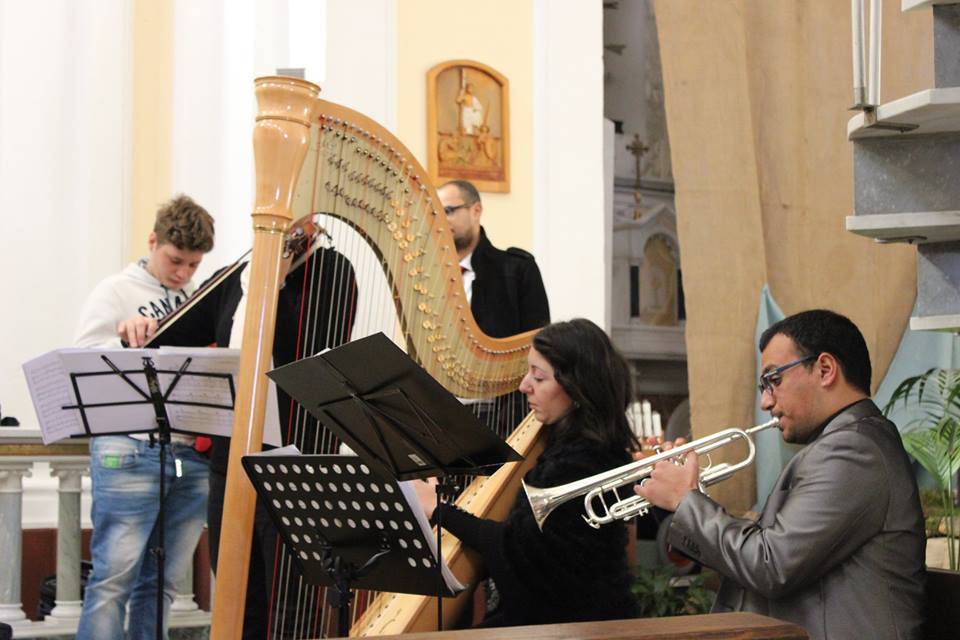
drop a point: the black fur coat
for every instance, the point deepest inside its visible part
(569, 572)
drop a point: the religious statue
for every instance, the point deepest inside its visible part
(468, 125)
(658, 284)
(471, 111)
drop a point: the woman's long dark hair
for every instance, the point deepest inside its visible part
(595, 376)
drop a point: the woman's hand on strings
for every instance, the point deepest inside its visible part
(136, 330)
(427, 492)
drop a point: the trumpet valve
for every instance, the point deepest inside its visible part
(634, 507)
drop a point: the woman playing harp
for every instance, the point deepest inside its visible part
(579, 387)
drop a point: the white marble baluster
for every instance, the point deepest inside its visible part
(183, 602)
(185, 612)
(12, 471)
(68, 604)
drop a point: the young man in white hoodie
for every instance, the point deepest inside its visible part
(126, 469)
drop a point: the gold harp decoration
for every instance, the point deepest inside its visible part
(314, 156)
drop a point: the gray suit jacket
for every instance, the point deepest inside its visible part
(839, 547)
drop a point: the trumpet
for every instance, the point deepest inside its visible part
(598, 512)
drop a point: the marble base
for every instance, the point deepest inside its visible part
(183, 604)
(13, 614)
(64, 612)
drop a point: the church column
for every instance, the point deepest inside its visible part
(68, 603)
(183, 602)
(11, 540)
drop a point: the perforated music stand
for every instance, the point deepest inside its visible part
(346, 526)
(395, 416)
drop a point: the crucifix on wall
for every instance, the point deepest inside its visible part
(637, 149)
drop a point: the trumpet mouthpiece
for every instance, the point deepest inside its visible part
(772, 423)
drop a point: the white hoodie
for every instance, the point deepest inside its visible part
(133, 290)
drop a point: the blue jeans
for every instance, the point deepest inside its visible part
(126, 493)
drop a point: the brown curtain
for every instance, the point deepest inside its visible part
(757, 96)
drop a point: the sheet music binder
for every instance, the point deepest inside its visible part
(391, 412)
(90, 392)
(339, 505)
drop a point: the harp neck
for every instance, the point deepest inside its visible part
(281, 136)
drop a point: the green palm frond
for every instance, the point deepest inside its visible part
(936, 451)
(934, 440)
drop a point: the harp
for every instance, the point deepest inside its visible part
(313, 156)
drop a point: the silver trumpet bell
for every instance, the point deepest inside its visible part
(593, 489)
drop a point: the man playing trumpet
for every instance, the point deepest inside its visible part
(839, 545)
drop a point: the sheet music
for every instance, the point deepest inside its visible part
(212, 390)
(110, 388)
(52, 389)
(406, 487)
(207, 390)
(45, 376)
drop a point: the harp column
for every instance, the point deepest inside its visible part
(285, 111)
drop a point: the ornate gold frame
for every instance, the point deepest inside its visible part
(477, 146)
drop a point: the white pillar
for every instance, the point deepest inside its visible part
(572, 231)
(183, 602)
(68, 603)
(11, 538)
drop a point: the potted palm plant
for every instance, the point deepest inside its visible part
(933, 439)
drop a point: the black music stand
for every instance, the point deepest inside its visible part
(347, 527)
(395, 416)
(160, 434)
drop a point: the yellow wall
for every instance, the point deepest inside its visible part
(498, 33)
(152, 117)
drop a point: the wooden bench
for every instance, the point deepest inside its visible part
(713, 626)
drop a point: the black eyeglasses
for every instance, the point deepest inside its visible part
(449, 209)
(772, 379)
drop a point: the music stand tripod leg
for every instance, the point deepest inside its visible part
(163, 439)
(343, 574)
(341, 597)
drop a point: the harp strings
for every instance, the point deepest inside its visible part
(383, 221)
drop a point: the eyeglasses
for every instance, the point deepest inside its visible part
(772, 379)
(449, 209)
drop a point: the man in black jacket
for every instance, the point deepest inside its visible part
(504, 288)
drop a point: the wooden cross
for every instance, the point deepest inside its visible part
(637, 149)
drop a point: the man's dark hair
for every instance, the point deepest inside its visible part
(184, 224)
(468, 192)
(822, 331)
